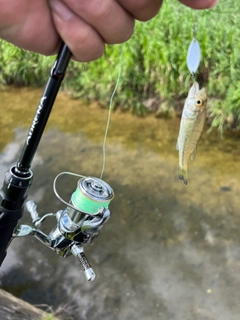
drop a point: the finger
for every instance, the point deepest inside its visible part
(107, 17)
(22, 24)
(200, 4)
(142, 10)
(83, 41)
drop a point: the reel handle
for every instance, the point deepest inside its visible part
(32, 209)
(78, 252)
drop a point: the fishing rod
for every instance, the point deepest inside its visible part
(86, 212)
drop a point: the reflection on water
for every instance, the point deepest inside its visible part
(168, 252)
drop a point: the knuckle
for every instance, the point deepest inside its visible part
(84, 36)
(141, 5)
(99, 9)
(90, 47)
(145, 9)
(123, 35)
(95, 54)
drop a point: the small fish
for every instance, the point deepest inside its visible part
(191, 128)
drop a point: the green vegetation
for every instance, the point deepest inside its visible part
(49, 317)
(154, 64)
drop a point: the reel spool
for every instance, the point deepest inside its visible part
(91, 195)
(87, 210)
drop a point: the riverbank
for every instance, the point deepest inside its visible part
(12, 308)
(154, 75)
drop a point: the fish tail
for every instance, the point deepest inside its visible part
(183, 175)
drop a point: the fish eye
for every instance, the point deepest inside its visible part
(199, 103)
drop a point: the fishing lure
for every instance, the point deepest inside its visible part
(193, 115)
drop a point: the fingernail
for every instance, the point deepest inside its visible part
(61, 10)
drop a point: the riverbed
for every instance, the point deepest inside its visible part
(168, 252)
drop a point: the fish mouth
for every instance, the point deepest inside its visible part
(194, 89)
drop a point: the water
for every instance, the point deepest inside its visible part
(168, 252)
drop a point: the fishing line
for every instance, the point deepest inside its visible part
(79, 200)
(110, 109)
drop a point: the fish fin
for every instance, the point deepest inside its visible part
(177, 145)
(183, 175)
(193, 154)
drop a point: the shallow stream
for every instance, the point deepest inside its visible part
(168, 252)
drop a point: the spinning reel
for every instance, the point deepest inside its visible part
(86, 212)
(79, 223)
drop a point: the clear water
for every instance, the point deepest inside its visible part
(168, 252)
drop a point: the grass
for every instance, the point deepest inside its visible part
(154, 64)
(49, 317)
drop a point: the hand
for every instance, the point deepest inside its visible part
(84, 25)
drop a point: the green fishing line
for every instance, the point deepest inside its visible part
(82, 202)
(79, 199)
(110, 109)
